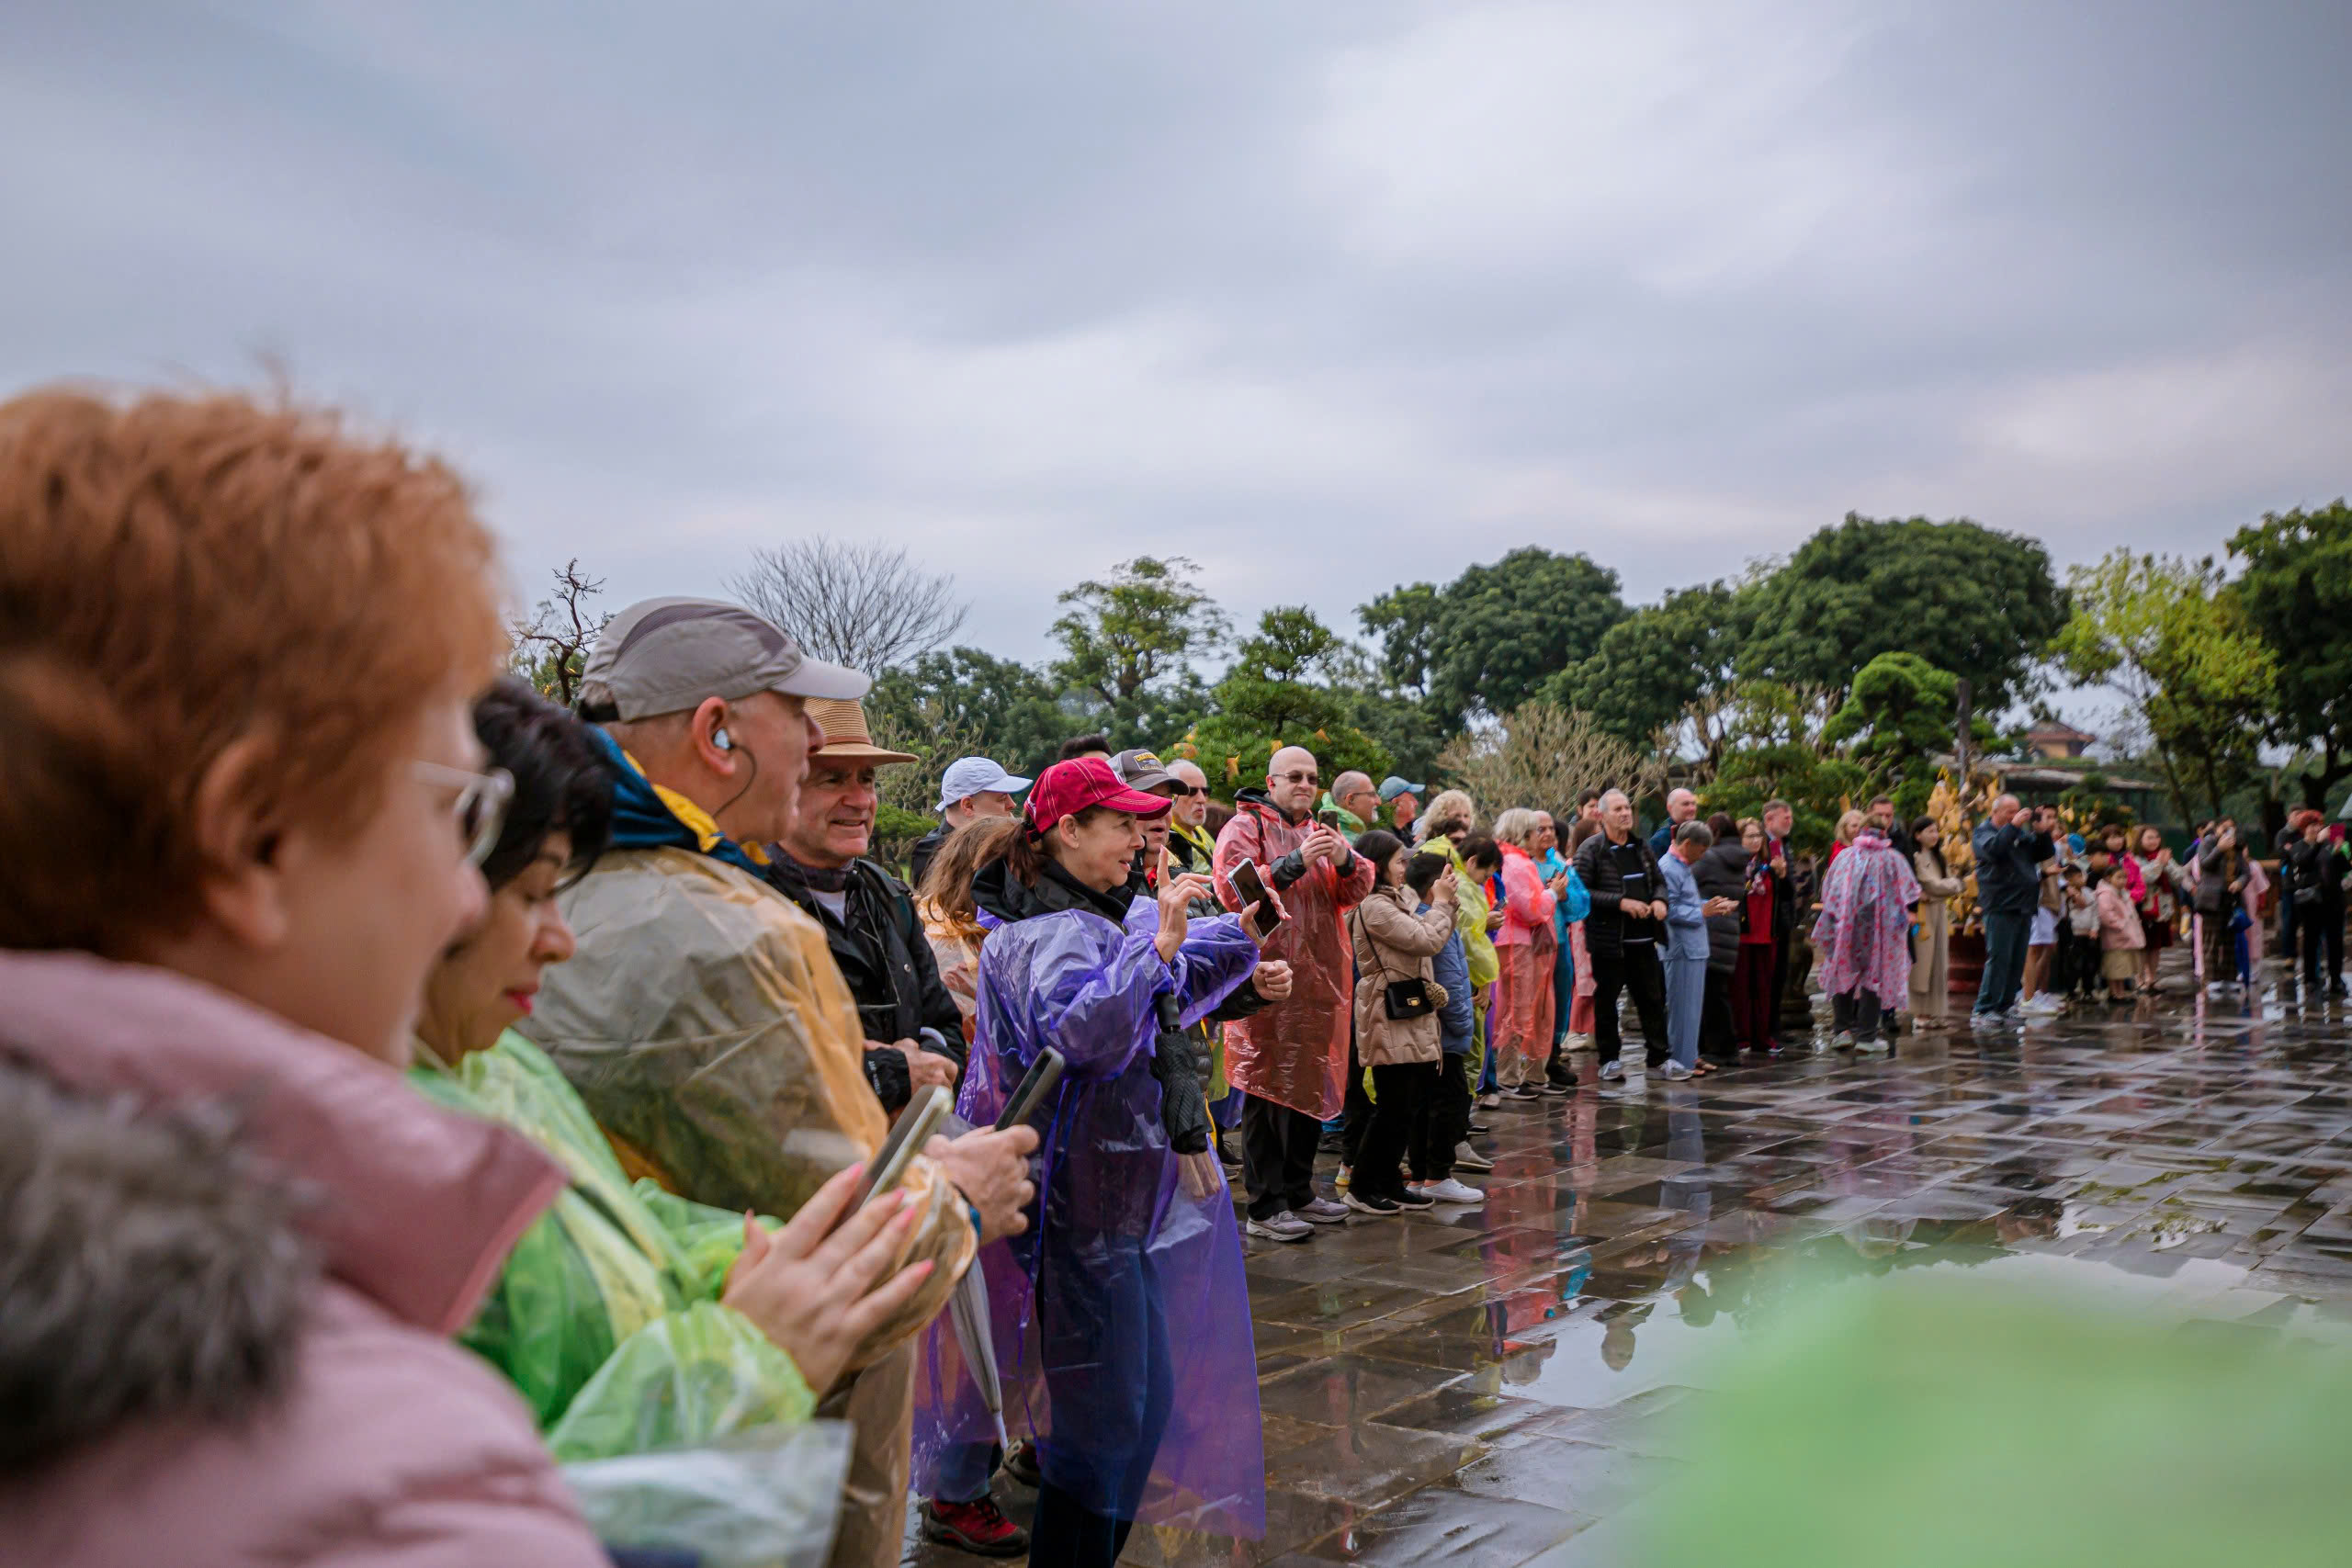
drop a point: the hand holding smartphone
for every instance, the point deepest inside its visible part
(1251, 887)
(915, 1126)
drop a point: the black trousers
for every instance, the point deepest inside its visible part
(2323, 928)
(1779, 984)
(1718, 1042)
(1356, 1113)
(1632, 970)
(1277, 1157)
(1443, 1123)
(1402, 1093)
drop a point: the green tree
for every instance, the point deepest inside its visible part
(1279, 692)
(1980, 604)
(1817, 787)
(2172, 639)
(1653, 668)
(1006, 711)
(1406, 621)
(550, 649)
(2296, 593)
(1897, 717)
(1142, 626)
(1504, 629)
(1540, 754)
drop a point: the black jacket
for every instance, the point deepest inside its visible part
(2316, 869)
(1604, 931)
(1291, 866)
(919, 858)
(1722, 873)
(888, 965)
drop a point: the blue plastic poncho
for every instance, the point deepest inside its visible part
(1139, 1377)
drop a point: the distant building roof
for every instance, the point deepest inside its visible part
(2058, 729)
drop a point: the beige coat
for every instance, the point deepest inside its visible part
(1931, 944)
(1393, 943)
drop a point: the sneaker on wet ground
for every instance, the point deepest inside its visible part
(1489, 1100)
(1611, 1072)
(1406, 1198)
(978, 1527)
(1284, 1226)
(1873, 1044)
(1469, 1158)
(1374, 1203)
(1448, 1191)
(1675, 1072)
(1477, 1127)
(1555, 1088)
(1021, 1463)
(1322, 1212)
(1842, 1040)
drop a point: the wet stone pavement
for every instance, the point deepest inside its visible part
(1502, 1384)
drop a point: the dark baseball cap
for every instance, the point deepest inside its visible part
(1140, 769)
(667, 655)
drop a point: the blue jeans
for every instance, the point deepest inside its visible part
(964, 1472)
(2004, 937)
(1564, 989)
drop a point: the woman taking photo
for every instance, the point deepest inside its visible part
(240, 809)
(2157, 885)
(1526, 946)
(1751, 977)
(630, 1319)
(1397, 1021)
(1931, 945)
(1131, 1274)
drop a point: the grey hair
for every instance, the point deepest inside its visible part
(1518, 825)
(1608, 794)
(1697, 833)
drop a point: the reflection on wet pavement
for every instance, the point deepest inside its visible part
(1487, 1385)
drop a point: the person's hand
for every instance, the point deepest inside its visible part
(925, 1067)
(1779, 865)
(811, 1287)
(1494, 922)
(1445, 891)
(1322, 845)
(1722, 906)
(1272, 980)
(991, 1170)
(963, 979)
(1176, 895)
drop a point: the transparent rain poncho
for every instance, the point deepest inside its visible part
(1121, 1320)
(1294, 1053)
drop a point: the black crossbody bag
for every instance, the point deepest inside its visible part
(1402, 999)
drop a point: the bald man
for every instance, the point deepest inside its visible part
(1681, 807)
(1355, 793)
(2010, 848)
(1291, 1059)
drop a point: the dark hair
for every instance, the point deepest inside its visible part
(563, 781)
(1480, 848)
(1879, 800)
(1423, 870)
(1079, 746)
(1587, 798)
(1943, 867)
(1025, 854)
(1723, 826)
(1379, 846)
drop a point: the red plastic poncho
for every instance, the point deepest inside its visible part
(1294, 1053)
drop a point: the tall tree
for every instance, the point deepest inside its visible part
(2296, 591)
(1503, 630)
(1980, 604)
(1653, 668)
(1405, 619)
(1142, 626)
(867, 606)
(551, 646)
(1897, 715)
(1007, 711)
(2172, 641)
(1279, 692)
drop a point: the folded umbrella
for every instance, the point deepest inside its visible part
(967, 1309)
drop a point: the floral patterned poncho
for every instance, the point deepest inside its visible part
(1863, 937)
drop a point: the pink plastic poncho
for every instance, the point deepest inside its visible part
(1863, 937)
(1140, 1380)
(1295, 1052)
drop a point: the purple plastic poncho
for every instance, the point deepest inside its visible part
(1863, 937)
(1145, 1356)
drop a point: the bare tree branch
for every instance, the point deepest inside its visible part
(551, 647)
(1540, 754)
(867, 606)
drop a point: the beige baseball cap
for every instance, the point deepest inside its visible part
(666, 655)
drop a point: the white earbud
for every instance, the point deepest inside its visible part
(720, 738)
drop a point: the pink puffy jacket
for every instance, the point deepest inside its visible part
(233, 1253)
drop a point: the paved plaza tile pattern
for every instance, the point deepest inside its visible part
(1495, 1386)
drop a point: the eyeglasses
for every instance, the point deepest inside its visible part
(479, 809)
(1302, 778)
(1181, 790)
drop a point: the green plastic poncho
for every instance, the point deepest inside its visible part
(606, 1316)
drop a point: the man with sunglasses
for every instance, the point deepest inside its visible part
(1291, 1059)
(1190, 842)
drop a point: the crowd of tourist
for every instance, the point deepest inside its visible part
(410, 1085)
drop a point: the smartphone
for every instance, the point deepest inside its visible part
(1252, 886)
(1329, 818)
(1031, 1091)
(916, 1124)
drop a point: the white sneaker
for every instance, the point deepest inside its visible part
(1842, 1040)
(1579, 1042)
(1872, 1044)
(1675, 1072)
(1488, 1101)
(1323, 1212)
(1468, 1158)
(1284, 1226)
(1448, 1191)
(1612, 1072)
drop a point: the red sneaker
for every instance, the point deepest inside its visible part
(979, 1528)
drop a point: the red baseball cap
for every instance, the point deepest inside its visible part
(1067, 788)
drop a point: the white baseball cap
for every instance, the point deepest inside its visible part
(968, 776)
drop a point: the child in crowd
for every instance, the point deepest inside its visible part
(2080, 923)
(2120, 938)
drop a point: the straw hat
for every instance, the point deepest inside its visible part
(846, 737)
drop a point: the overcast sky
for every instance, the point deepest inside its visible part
(1325, 295)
